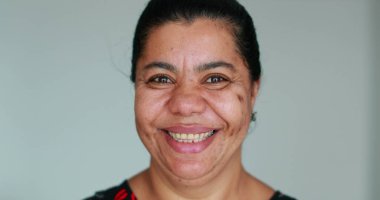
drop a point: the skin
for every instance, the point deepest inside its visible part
(191, 75)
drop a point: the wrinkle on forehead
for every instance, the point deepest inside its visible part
(219, 24)
(199, 68)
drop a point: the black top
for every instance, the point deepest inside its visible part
(124, 192)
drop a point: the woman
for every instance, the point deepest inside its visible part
(196, 71)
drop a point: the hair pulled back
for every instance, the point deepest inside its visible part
(159, 12)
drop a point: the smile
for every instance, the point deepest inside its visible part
(191, 137)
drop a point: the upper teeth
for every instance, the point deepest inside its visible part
(190, 137)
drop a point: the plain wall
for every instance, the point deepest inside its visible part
(66, 102)
(375, 147)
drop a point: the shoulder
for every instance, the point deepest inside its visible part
(279, 196)
(120, 192)
(266, 192)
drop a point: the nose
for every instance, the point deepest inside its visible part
(186, 101)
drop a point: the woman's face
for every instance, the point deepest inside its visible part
(193, 99)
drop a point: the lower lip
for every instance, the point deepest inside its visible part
(182, 147)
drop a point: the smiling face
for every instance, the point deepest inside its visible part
(193, 99)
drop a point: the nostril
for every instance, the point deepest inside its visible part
(186, 103)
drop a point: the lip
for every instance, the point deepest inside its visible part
(189, 148)
(188, 129)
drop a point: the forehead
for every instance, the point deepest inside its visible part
(198, 41)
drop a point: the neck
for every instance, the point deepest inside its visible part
(220, 184)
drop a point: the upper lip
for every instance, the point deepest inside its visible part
(189, 129)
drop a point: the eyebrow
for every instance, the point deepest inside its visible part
(213, 65)
(200, 68)
(161, 65)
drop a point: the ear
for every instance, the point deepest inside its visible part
(254, 91)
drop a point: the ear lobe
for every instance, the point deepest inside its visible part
(256, 87)
(255, 91)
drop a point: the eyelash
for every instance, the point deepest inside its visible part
(213, 80)
(220, 78)
(158, 79)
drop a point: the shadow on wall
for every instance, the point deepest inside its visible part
(375, 150)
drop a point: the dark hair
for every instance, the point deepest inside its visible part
(159, 12)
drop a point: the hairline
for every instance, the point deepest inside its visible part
(226, 24)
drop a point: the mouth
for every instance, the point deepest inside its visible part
(190, 137)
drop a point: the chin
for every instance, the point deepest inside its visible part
(190, 170)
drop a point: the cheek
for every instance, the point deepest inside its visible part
(148, 107)
(232, 106)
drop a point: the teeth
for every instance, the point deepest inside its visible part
(190, 137)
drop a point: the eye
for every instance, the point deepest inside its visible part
(160, 79)
(216, 81)
(213, 79)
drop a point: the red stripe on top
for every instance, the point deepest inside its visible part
(124, 196)
(133, 197)
(121, 195)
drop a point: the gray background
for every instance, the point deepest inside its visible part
(66, 103)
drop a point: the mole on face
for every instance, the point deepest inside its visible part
(240, 98)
